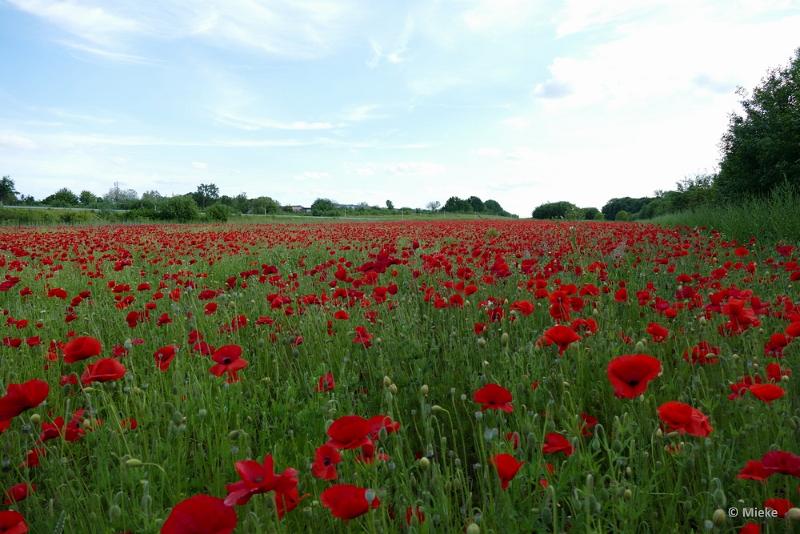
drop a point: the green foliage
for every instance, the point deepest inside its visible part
(219, 212)
(457, 205)
(180, 208)
(87, 199)
(477, 204)
(62, 198)
(631, 205)
(761, 148)
(554, 210)
(324, 207)
(206, 194)
(8, 193)
(389, 205)
(622, 215)
(774, 217)
(592, 214)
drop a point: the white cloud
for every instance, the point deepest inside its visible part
(282, 28)
(200, 165)
(258, 123)
(16, 141)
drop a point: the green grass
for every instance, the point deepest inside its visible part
(776, 217)
(193, 427)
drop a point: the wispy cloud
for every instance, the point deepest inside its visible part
(258, 123)
(282, 28)
(108, 54)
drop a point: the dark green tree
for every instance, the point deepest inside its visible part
(323, 206)
(457, 205)
(87, 198)
(761, 148)
(477, 204)
(62, 198)
(8, 194)
(554, 210)
(206, 194)
(180, 208)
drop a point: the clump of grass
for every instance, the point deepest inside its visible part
(772, 218)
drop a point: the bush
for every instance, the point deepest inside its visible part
(181, 209)
(219, 212)
(554, 210)
(622, 215)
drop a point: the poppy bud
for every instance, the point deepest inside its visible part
(793, 514)
(233, 435)
(659, 433)
(114, 512)
(133, 462)
(424, 462)
(627, 494)
(387, 381)
(504, 338)
(424, 389)
(481, 343)
(719, 517)
(36, 418)
(473, 528)
(393, 388)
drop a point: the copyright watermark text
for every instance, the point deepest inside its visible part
(752, 513)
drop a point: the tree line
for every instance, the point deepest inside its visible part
(206, 201)
(759, 157)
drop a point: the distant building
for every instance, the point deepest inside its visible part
(300, 209)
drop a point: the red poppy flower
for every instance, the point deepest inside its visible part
(767, 392)
(381, 422)
(782, 462)
(12, 523)
(631, 373)
(657, 332)
(229, 361)
(326, 458)
(326, 383)
(260, 478)
(164, 356)
(507, 467)
(81, 348)
(779, 505)
(104, 370)
(494, 397)
(346, 501)
(754, 470)
(685, 419)
(341, 315)
(200, 514)
(589, 423)
(525, 307)
(21, 397)
(555, 442)
(349, 432)
(363, 337)
(18, 492)
(703, 353)
(561, 335)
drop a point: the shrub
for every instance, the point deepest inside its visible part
(218, 212)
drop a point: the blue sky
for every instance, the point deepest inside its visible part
(413, 101)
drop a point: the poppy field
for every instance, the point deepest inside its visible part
(479, 376)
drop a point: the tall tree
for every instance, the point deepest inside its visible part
(8, 194)
(761, 148)
(206, 194)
